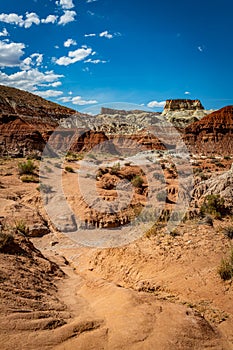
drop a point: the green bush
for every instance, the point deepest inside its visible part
(137, 181)
(21, 227)
(225, 269)
(115, 169)
(29, 178)
(213, 205)
(69, 169)
(27, 167)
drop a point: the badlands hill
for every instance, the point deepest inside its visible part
(212, 134)
(23, 103)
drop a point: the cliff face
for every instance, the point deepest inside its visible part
(212, 134)
(182, 105)
(182, 113)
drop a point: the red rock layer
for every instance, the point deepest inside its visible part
(212, 134)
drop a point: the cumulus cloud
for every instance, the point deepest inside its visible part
(78, 100)
(33, 60)
(70, 42)
(10, 54)
(73, 56)
(4, 32)
(31, 18)
(49, 19)
(29, 79)
(156, 104)
(106, 34)
(13, 18)
(69, 16)
(65, 4)
(49, 93)
(187, 93)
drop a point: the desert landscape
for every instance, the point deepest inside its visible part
(64, 285)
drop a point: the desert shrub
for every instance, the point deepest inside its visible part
(225, 269)
(161, 196)
(213, 205)
(220, 165)
(27, 167)
(45, 188)
(21, 227)
(69, 169)
(227, 157)
(137, 181)
(228, 232)
(29, 178)
(115, 169)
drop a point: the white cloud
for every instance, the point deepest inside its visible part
(49, 19)
(11, 18)
(69, 16)
(200, 48)
(106, 34)
(89, 1)
(73, 56)
(94, 61)
(156, 104)
(49, 93)
(33, 60)
(89, 35)
(65, 4)
(78, 100)
(70, 42)
(10, 54)
(4, 32)
(187, 93)
(29, 79)
(31, 18)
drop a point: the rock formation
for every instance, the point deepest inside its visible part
(181, 113)
(183, 105)
(212, 134)
(26, 121)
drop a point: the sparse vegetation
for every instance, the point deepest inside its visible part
(29, 178)
(137, 181)
(225, 269)
(228, 232)
(115, 169)
(45, 188)
(69, 169)
(21, 227)
(26, 168)
(213, 205)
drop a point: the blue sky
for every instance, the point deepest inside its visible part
(83, 53)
